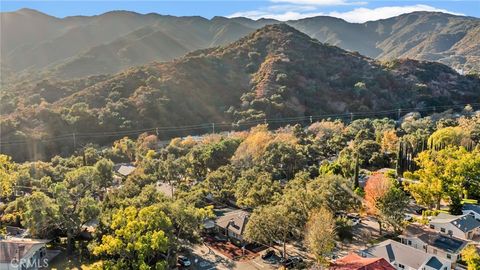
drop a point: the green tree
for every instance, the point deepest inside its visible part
(125, 148)
(41, 215)
(320, 234)
(448, 136)
(392, 207)
(471, 256)
(283, 160)
(269, 224)
(77, 206)
(187, 220)
(8, 174)
(172, 171)
(254, 189)
(220, 183)
(449, 173)
(139, 239)
(104, 169)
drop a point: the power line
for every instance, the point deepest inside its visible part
(211, 125)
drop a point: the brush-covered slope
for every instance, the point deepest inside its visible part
(79, 46)
(37, 45)
(274, 72)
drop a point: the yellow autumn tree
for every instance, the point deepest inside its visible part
(389, 141)
(8, 175)
(253, 146)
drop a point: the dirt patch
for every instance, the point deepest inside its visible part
(231, 251)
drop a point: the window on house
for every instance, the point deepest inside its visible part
(401, 266)
(432, 226)
(409, 242)
(442, 230)
(449, 256)
(450, 232)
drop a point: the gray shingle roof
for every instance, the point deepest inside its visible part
(235, 221)
(472, 207)
(434, 263)
(395, 252)
(433, 238)
(465, 223)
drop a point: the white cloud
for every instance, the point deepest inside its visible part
(357, 15)
(318, 2)
(365, 14)
(284, 16)
(280, 12)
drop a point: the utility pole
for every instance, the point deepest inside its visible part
(351, 117)
(311, 119)
(74, 141)
(398, 115)
(213, 127)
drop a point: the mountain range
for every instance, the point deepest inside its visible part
(274, 72)
(34, 44)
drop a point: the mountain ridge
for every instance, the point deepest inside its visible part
(64, 51)
(275, 72)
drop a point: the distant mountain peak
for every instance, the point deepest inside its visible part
(87, 45)
(279, 30)
(120, 12)
(31, 12)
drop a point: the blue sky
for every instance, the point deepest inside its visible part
(350, 10)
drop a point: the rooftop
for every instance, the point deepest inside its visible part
(434, 263)
(472, 207)
(354, 262)
(465, 223)
(17, 248)
(433, 238)
(233, 220)
(393, 251)
(124, 169)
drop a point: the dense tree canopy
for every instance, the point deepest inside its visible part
(291, 179)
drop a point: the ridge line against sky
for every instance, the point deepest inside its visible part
(356, 11)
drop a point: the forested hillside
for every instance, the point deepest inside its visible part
(35, 45)
(275, 72)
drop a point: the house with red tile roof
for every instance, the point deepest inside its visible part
(355, 262)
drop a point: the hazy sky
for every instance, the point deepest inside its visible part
(350, 10)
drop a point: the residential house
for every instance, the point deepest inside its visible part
(463, 227)
(124, 169)
(232, 223)
(430, 241)
(355, 262)
(23, 254)
(472, 209)
(404, 257)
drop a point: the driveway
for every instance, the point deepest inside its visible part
(205, 258)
